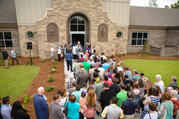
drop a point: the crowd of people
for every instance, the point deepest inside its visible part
(100, 86)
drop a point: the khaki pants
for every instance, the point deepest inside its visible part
(129, 116)
(6, 63)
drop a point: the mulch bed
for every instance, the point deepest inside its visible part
(41, 80)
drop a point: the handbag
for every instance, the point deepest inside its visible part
(90, 112)
(65, 111)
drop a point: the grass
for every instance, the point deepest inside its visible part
(15, 80)
(166, 68)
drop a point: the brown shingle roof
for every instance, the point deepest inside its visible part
(7, 11)
(146, 16)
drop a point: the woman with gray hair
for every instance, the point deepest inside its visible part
(175, 101)
(159, 82)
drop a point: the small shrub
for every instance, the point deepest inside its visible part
(120, 55)
(51, 79)
(54, 62)
(1, 61)
(49, 89)
(53, 70)
(53, 66)
(26, 100)
(42, 60)
(123, 54)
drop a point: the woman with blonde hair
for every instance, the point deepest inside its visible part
(90, 102)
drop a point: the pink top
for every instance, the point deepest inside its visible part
(109, 82)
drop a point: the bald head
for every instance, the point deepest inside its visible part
(41, 90)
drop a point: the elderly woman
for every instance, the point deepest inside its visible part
(175, 101)
(159, 82)
(166, 107)
(73, 108)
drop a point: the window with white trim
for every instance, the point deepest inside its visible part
(139, 38)
(6, 39)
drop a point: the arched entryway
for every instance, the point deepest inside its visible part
(78, 29)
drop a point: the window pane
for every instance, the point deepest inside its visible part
(7, 35)
(145, 35)
(74, 20)
(134, 35)
(73, 27)
(81, 20)
(133, 41)
(81, 27)
(139, 42)
(1, 43)
(8, 43)
(1, 35)
(139, 35)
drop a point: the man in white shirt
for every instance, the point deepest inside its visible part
(75, 52)
(59, 53)
(159, 82)
(102, 56)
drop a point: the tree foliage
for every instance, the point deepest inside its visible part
(173, 6)
(153, 3)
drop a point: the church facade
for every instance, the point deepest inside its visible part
(111, 26)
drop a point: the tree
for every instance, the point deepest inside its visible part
(153, 3)
(175, 5)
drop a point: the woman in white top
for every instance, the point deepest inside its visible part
(52, 50)
(153, 114)
(59, 53)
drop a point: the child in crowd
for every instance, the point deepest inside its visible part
(153, 114)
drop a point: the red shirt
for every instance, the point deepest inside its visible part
(109, 82)
(175, 107)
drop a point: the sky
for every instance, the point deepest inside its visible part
(161, 3)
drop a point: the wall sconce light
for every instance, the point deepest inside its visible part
(103, 32)
(52, 32)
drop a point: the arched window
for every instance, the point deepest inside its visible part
(77, 23)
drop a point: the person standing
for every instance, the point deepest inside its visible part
(112, 111)
(106, 96)
(13, 55)
(69, 58)
(41, 105)
(5, 57)
(6, 108)
(52, 50)
(55, 108)
(18, 112)
(59, 53)
(159, 82)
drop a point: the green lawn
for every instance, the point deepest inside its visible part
(166, 68)
(15, 80)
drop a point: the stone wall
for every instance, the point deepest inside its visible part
(15, 39)
(173, 38)
(23, 40)
(64, 9)
(156, 38)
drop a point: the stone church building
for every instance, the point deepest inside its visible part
(111, 26)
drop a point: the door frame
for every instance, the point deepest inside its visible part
(71, 33)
